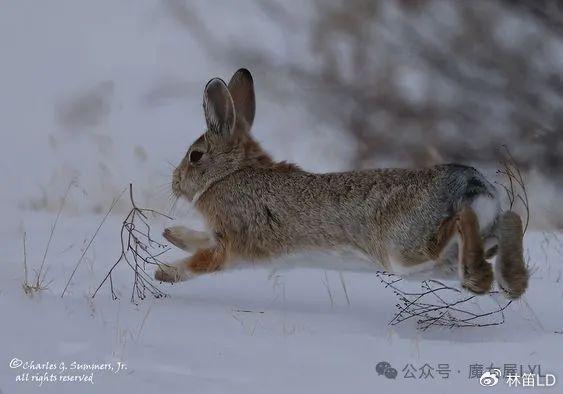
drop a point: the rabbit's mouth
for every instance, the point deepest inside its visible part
(188, 196)
(178, 191)
(176, 188)
(186, 193)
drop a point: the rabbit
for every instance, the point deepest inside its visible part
(257, 208)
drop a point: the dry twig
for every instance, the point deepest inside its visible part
(515, 188)
(137, 250)
(437, 304)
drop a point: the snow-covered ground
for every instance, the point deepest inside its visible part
(105, 93)
(252, 330)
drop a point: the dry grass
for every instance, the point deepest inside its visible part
(39, 282)
(113, 204)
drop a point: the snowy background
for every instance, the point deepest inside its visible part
(106, 93)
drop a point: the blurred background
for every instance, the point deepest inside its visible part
(106, 93)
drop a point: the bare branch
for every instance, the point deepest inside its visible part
(516, 189)
(437, 304)
(137, 250)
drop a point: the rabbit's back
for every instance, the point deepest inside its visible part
(265, 211)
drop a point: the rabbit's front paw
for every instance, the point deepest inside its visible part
(187, 239)
(172, 273)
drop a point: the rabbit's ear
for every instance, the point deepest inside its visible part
(219, 108)
(241, 87)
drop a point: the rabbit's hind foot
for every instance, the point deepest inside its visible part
(476, 272)
(479, 281)
(511, 271)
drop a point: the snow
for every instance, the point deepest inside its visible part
(253, 330)
(260, 329)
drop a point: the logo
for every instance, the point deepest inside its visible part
(384, 368)
(490, 378)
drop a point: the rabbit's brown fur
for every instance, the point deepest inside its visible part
(509, 265)
(477, 274)
(257, 208)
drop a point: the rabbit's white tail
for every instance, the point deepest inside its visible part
(487, 208)
(511, 271)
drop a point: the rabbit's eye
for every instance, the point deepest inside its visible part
(195, 155)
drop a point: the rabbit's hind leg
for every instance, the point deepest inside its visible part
(510, 269)
(476, 273)
(187, 239)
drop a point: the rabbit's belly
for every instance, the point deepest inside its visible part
(400, 269)
(339, 259)
(445, 266)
